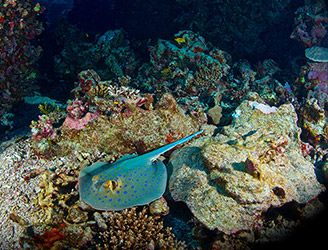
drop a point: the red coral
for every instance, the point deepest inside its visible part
(48, 238)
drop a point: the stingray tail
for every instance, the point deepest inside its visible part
(153, 155)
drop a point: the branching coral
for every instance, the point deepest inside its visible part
(131, 229)
(210, 77)
(107, 97)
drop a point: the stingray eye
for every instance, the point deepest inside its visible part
(114, 184)
(111, 185)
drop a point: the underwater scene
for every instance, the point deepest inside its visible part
(164, 124)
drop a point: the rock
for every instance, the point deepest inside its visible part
(100, 221)
(215, 114)
(76, 215)
(325, 171)
(229, 181)
(159, 207)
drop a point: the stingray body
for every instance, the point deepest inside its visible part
(131, 181)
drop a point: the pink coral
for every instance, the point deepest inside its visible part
(77, 115)
(79, 124)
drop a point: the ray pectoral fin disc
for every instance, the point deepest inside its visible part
(116, 189)
(131, 181)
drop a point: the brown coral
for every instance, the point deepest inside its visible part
(131, 229)
(207, 79)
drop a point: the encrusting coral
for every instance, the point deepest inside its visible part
(133, 229)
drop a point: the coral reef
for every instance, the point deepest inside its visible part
(124, 117)
(311, 29)
(312, 84)
(48, 213)
(140, 131)
(184, 66)
(19, 26)
(311, 24)
(198, 75)
(236, 26)
(261, 157)
(110, 54)
(256, 163)
(139, 125)
(43, 134)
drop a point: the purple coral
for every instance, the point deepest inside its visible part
(311, 24)
(318, 72)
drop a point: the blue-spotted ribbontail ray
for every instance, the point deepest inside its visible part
(130, 181)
